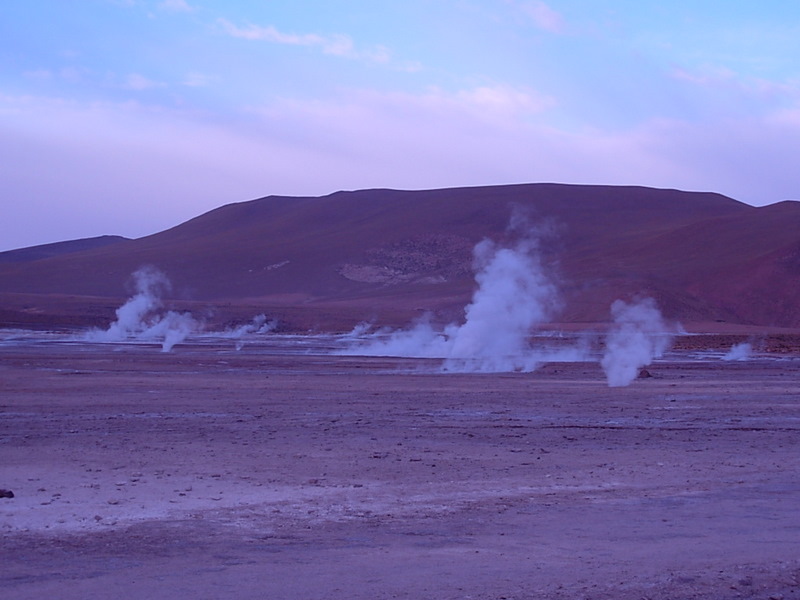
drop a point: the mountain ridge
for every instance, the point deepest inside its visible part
(41, 251)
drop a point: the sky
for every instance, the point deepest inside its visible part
(128, 117)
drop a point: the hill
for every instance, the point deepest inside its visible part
(58, 248)
(389, 254)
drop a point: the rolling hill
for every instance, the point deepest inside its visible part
(388, 255)
(58, 248)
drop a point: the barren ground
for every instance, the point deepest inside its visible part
(211, 473)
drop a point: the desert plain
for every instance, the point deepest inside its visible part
(282, 471)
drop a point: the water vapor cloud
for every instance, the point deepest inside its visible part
(340, 45)
(638, 335)
(143, 316)
(515, 295)
(259, 325)
(739, 352)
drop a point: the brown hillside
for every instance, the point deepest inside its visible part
(58, 248)
(705, 257)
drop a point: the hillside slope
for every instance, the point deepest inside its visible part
(58, 249)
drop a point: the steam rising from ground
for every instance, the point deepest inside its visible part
(739, 352)
(142, 317)
(638, 335)
(258, 325)
(515, 295)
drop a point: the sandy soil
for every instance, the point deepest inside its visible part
(211, 473)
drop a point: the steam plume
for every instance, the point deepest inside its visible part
(638, 335)
(258, 325)
(142, 317)
(739, 352)
(515, 295)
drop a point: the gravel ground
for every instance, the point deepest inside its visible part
(211, 473)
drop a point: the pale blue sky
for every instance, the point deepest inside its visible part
(130, 116)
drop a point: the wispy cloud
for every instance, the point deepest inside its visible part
(335, 44)
(506, 99)
(39, 74)
(542, 15)
(176, 5)
(72, 73)
(270, 34)
(711, 76)
(788, 118)
(403, 114)
(195, 79)
(139, 83)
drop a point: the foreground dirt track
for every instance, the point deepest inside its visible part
(210, 473)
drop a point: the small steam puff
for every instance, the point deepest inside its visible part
(142, 318)
(514, 296)
(739, 352)
(258, 325)
(638, 335)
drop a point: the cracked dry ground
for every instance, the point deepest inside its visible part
(207, 473)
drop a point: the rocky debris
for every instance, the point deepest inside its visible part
(421, 259)
(645, 374)
(6, 493)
